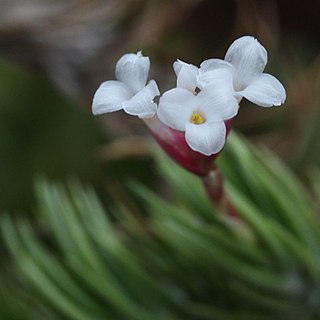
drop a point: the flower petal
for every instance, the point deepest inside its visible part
(132, 69)
(212, 64)
(207, 138)
(265, 91)
(186, 75)
(176, 107)
(177, 66)
(142, 104)
(109, 97)
(214, 76)
(249, 58)
(218, 102)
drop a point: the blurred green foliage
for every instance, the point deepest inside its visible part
(40, 133)
(181, 258)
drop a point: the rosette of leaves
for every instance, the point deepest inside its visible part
(178, 257)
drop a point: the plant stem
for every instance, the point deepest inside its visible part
(213, 183)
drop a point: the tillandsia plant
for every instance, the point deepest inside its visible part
(191, 122)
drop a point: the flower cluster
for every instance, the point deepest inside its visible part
(204, 99)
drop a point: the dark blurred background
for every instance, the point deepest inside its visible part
(54, 54)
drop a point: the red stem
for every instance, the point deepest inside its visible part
(213, 183)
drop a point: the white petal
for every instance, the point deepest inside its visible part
(265, 91)
(109, 97)
(249, 58)
(218, 102)
(207, 138)
(142, 104)
(176, 107)
(132, 69)
(187, 78)
(214, 76)
(186, 75)
(177, 65)
(211, 64)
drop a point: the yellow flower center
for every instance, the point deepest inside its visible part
(196, 118)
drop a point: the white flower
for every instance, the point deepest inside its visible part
(201, 116)
(129, 92)
(245, 59)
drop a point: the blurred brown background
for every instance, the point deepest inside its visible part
(54, 54)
